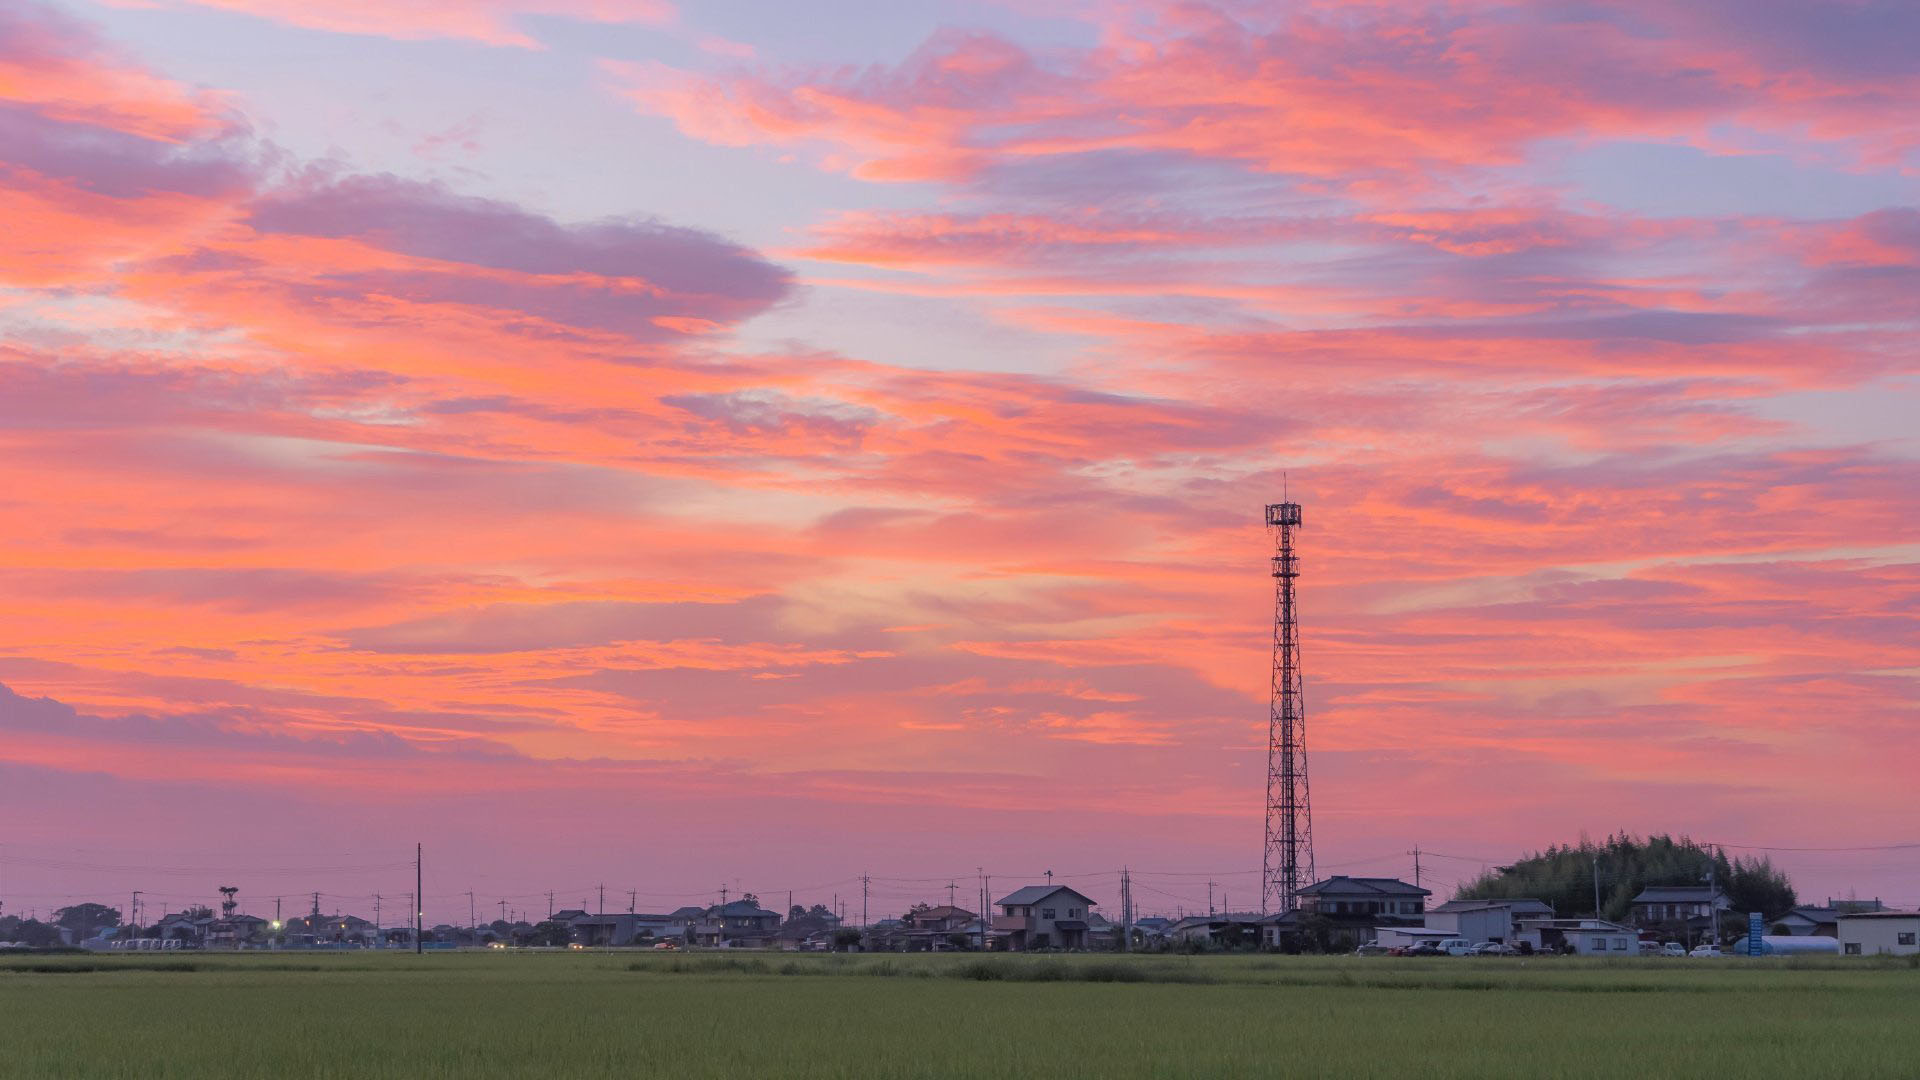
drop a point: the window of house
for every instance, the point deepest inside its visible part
(1853, 948)
(1598, 944)
(1046, 913)
(1619, 944)
(1073, 913)
(1906, 939)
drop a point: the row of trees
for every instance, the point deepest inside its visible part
(81, 920)
(1565, 876)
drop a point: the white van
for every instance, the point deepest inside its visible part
(1456, 946)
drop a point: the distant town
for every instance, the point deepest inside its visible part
(1380, 915)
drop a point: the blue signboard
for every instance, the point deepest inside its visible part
(1756, 926)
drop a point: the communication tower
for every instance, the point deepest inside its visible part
(1286, 865)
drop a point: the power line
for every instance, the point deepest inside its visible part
(1763, 847)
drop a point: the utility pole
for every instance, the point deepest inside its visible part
(633, 898)
(981, 872)
(864, 880)
(602, 909)
(419, 898)
(1126, 910)
(950, 887)
(723, 894)
(379, 927)
(133, 911)
(1049, 877)
(1209, 898)
(503, 911)
(549, 903)
(1596, 888)
(316, 905)
(473, 918)
(1416, 865)
(1713, 910)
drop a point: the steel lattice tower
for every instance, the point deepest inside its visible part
(1286, 865)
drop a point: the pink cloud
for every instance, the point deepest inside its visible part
(490, 22)
(1362, 98)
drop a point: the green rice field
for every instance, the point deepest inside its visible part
(559, 1014)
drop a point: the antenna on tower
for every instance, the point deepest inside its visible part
(1286, 863)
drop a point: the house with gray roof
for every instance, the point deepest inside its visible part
(1043, 917)
(1486, 920)
(1692, 907)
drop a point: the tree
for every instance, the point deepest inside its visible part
(749, 898)
(796, 913)
(1565, 876)
(551, 932)
(86, 919)
(29, 932)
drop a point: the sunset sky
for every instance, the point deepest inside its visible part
(673, 443)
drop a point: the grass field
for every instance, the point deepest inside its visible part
(529, 1014)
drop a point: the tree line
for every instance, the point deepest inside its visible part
(1564, 876)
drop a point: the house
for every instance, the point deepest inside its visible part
(1153, 927)
(1341, 912)
(736, 923)
(884, 935)
(1587, 937)
(186, 927)
(933, 929)
(941, 919)
(1691, 908)
(1225, 930)
(1812, 920)
(1102, 933)
(603, 930)
(233, 931)
(1043, 917)
(802, 937)
(1874, 933)
(1485, 920)
(1345, 898)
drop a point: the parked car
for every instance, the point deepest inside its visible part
(1493, 948)
(666, 946)
(1649, 948)
(1706, 951)
(1423, 948)
(1673, 948)
(1456, 946)
(1372, 948)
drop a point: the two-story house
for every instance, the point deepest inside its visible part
(737, 923)
(1676, 907)
(1374, 899)
(1043, 917)
(1347, 910)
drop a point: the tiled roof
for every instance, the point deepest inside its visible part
(1662, 894)
(1033, 894)
(1381, 886)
